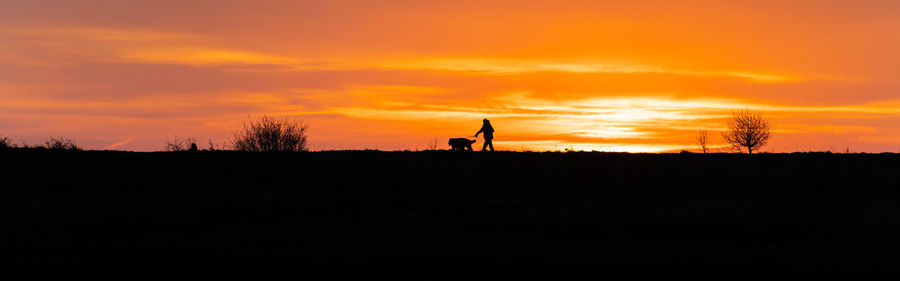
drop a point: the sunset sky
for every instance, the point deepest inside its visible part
(639, 76)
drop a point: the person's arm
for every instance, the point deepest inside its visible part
(479, 131)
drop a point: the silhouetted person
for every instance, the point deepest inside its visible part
(488, 131)
(193, 147)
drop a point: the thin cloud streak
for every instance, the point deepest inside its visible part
(118, 144)
(502, 67)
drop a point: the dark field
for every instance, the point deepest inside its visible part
(446, 215)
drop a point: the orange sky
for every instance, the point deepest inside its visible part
(592, 75)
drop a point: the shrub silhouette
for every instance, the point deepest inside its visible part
(747, 129)
(60, 143)
(271, 134)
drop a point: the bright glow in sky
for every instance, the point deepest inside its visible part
(640, 76)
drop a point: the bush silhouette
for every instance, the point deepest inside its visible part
(271, 134)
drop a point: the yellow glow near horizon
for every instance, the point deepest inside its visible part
(576, 147)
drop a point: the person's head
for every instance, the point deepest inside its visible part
(486, 121)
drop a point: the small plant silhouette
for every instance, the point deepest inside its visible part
(211, 146)
(271, 134)
(433, 145)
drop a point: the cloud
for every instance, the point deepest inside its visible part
(499, 66)
(240, 60)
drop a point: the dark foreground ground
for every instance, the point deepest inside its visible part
(445, 215)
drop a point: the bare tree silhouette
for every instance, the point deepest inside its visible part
(747, 129)
(703, 141)
(271, 134)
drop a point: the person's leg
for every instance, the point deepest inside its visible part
(491, 143)
(484, 147)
